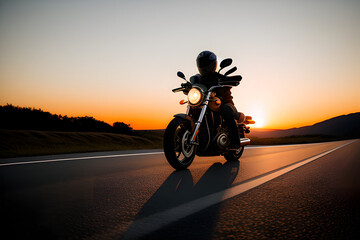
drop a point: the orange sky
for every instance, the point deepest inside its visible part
(117, 60)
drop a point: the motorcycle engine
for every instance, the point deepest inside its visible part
(222, 140)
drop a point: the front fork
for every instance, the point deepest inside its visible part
(199, 121)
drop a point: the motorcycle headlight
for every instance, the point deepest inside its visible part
(195, 96)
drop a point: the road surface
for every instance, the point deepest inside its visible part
(308, 191)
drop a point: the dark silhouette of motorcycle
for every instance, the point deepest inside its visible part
(202, 131)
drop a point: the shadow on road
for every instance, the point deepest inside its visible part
(179, 189)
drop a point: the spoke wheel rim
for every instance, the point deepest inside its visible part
(183, 150)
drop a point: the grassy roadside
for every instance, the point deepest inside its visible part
(294, 140)
(16, 143)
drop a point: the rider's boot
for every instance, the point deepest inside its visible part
(234, 139)
(234, 135)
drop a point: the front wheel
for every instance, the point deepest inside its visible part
(177, 148)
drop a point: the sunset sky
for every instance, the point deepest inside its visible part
(117, 60)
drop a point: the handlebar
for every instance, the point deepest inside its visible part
(184, 87)
(224, 81)
(232, 80)
(231, 83)
(178, 89)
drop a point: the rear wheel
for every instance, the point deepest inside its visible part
(177, 148)
(235, 155)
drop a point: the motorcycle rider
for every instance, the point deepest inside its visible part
(206, 63)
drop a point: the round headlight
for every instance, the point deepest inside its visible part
(195, 96)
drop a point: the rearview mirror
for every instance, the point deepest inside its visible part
(225, 63)
(181, 75)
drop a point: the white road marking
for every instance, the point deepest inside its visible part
(78, 158)
(284, 145)
(125, 155)
(144, 226)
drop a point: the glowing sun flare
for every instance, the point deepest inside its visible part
(259, 122)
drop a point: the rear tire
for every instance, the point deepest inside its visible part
(179, 153)
(235, 155)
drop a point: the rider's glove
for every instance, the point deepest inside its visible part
(187, 86)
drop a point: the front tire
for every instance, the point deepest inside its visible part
(179, 153)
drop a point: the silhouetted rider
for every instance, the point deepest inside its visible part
(206, 63)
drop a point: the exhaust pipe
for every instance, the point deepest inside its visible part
(244, 141)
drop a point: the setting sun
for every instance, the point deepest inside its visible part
(257, 112)
(259, 122)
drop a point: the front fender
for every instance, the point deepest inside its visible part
(181, 115)
(187, 118)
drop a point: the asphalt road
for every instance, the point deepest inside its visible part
(309, 191)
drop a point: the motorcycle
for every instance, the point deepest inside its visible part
(202, 130)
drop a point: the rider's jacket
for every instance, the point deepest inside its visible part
(224, 93)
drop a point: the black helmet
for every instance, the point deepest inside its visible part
(206, 62)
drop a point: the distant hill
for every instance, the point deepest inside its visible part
(347, 126)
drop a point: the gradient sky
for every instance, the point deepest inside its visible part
(117, 60)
